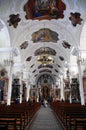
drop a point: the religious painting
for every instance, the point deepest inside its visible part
(57, 94)
(44, 9)
(15, 89)
(45, 35)
(67, 95)
(75, 94)
(84, 87)
(2, 82)
(3, 73)
(45, 50)
(75, 18)
(45, 92)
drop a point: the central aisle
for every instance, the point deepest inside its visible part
(45, 120)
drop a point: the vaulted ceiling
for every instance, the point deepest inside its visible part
(44, 34)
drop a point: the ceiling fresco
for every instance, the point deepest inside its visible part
(45, 50)
(44, 35)
(44, 9)
(43, 66)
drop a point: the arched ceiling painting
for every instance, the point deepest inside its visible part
(44, 9)
(44, 35)
(45, 50)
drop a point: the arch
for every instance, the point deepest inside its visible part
(83, 37)
(4, 35)
(51, 76)
(5, 44)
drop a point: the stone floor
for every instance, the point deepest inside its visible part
(45, 120)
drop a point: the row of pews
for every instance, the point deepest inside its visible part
(72, 116)
(17, 116)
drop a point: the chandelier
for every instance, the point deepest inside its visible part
(45, 59)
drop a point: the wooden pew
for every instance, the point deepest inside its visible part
(7, 124)
(14, 119)
(70, 114)
(19, 114)
(80, 123)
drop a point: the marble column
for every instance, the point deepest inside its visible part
(62, 88)
(38, 91)
(69, 77)
(80, 81)
(9, 64)
(54, 87)
(27, 91)
(21, 85)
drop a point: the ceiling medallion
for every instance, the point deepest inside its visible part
(32, 65)
(45, 59)
(14, 20)
(29, 58)
(61, 58)
(75, 18)
(66, 44)
(24, 45)
(34, 71)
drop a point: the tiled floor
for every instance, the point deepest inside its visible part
(45, 120)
